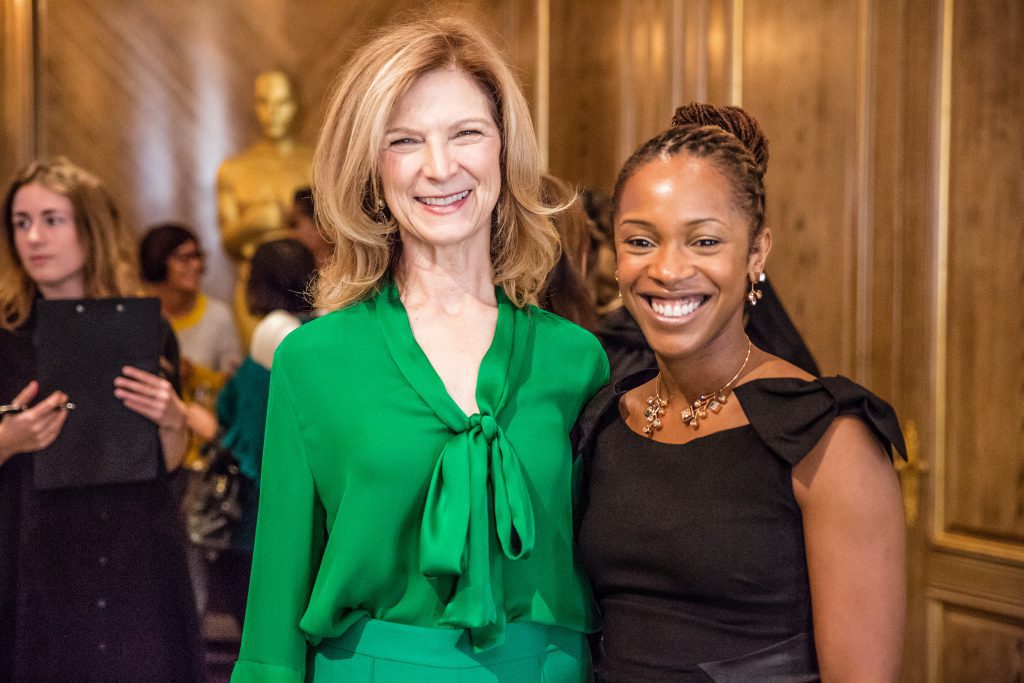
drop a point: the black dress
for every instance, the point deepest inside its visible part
(93, 580)
(696, 550)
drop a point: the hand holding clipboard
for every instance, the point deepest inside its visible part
(83, 347)
(26, 428)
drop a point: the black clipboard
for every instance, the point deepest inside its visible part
(81, 346)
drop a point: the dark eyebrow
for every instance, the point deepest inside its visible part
(700, 221)
(636, 221)
(689, 224)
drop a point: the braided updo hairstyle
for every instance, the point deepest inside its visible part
(728, 137)
(731, 119)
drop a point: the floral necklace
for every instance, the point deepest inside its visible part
(692, 414)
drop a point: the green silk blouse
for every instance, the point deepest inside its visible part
(380, 497)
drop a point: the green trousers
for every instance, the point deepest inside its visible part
(375, 651)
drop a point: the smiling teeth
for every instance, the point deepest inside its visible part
(675, 309)
(444, 201)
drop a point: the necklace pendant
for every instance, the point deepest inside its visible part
(654, 412)
(690, 418)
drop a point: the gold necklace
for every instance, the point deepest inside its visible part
(655, 409)
(696, 411)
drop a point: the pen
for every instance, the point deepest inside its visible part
(11, 408)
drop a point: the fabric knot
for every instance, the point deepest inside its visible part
(487, 425)
(478, 491)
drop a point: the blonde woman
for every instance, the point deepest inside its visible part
(93, 583)
(415, 516)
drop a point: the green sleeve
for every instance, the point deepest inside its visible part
(289, 543)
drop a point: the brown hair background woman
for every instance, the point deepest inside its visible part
(93, 582)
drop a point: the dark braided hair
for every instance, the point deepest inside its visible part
(730, 119)
(741, 159)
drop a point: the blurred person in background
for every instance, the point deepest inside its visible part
(302, 223)
(93, 580)
(172, 264)
(282, 271)
(566, 291)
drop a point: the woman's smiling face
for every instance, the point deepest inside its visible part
(684, 254)
(441, 162)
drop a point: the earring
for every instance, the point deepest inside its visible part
(754, 295)
(382, 215)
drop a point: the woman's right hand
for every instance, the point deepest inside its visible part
(35, 428)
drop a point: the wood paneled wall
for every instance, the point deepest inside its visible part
(154, 95)
(894, 194)
(985, 253)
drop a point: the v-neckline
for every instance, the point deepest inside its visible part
(492, 376)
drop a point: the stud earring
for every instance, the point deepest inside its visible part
(754, 295)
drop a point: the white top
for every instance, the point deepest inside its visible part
(268, 333)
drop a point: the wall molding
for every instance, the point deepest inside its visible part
(18, 107)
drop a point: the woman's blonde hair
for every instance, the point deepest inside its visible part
(110, 253)
(346, 170)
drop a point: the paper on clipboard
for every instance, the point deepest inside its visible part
(81, 346)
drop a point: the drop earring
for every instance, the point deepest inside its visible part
(381, 215)
(754, 295)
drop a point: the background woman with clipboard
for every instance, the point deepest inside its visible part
(99, 569)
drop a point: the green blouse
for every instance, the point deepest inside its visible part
(381, 498)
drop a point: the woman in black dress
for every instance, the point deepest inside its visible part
(93, 583)
(744, 520)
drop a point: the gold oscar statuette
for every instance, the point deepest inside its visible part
(255, 188)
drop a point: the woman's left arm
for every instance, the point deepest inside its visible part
(154, 397)
(855, 538)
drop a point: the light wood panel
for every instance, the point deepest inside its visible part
(620, 68)
(884, 228)
(980, 646)
(985, 381)
(154, 95)
(967, 571)
(914, 217)
(17, 98)
(586, 141)
(800, 76)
